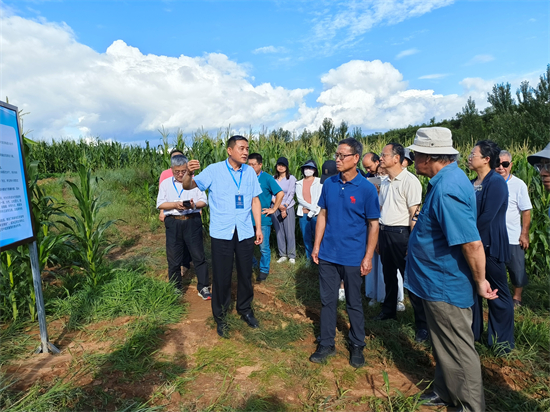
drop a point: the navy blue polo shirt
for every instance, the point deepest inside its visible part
(348, 207)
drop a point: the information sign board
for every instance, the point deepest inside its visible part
(16, 226)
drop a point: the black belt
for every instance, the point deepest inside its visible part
(395, 229)
(186, 217)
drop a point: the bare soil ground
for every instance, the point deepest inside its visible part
(198, 387)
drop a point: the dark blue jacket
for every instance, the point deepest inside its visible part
(492, 203)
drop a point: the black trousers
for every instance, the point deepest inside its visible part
(223, 254)
(501, 310)
(182, 234)
(393, 252)
(330, 275)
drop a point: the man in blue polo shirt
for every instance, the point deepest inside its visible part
(345, 238)
(445, 266)
(270, 188)
(233, 195)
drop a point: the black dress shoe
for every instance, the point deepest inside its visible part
(422, 335)
(261, 277)
(433, 399)
(222, 329)
(356, 358)
(384, 316)
(250, 320)
(322, 353)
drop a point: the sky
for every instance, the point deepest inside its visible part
(122, 70)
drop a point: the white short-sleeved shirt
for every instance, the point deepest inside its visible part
(170, 190)
(396, 196)
(518, 201)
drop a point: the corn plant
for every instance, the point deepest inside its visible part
(88, 230)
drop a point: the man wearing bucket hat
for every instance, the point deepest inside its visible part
(445, 262)
(541, 162)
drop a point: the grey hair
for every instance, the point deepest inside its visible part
(444, 158)
(506, 153)
(355, 146)
(179, 160)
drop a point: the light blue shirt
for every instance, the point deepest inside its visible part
(222, 185)
(436, 269)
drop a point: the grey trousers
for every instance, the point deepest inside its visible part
(458, 370)
(286, 233)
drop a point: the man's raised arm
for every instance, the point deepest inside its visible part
(188, 183)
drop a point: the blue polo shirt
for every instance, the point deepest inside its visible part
(348, 207)
(270, 188)
(222, 181)
(436, 269)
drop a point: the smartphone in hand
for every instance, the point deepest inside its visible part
(187, 204)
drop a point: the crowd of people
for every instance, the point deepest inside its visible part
(450, 250)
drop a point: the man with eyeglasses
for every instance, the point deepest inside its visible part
(345, 238)
(541, 162)
(445, 265)
(400, 197)
(182, 220)
(518, 220)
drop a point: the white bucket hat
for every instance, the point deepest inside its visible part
(433, 140)
(543, 154)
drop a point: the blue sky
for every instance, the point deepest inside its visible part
(123, 69)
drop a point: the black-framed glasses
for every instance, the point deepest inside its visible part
(342, 156)
(505, 164)
(540, 167)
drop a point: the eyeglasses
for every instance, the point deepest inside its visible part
(179, 172)
(472, 155)
(342, 156)
(540, 167)
(505, 164)
(386, 154)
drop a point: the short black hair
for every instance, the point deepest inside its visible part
(490, 149)
(232, 141)
(374, 156)
(175, 150)
(256, 156)
(398, 149)
(354, 144)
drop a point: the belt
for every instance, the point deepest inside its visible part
(395, 229)
(186, 217)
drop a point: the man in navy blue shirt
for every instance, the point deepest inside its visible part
(345, 238)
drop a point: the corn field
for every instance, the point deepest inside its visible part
(82, 239)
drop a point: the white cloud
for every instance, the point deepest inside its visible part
(269, 49)
(71, 90)
(344, 28)
(433, 76)
(480, 58)
(374, 96)
(408, 52)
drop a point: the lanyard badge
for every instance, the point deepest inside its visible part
(239, 199)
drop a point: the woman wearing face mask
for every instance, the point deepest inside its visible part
(308, 191)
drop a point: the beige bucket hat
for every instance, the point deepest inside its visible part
(433, 140)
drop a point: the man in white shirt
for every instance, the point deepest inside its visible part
(400, 196)
(183, 226)
(518, 219)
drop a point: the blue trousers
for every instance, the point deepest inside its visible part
(501, 310)
(330, 275)
(265, 251)
(307, 225)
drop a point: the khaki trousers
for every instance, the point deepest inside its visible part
(458, 370)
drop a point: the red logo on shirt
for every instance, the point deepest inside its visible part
(352, 200)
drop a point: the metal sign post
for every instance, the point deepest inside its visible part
(45, 344)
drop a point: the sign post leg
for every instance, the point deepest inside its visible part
(45, 345)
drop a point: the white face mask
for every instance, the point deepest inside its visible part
(308, 172)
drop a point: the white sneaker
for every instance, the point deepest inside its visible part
(342, 295)
(293, 261)
(372, 303)
(283, 259)
(400, 307)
